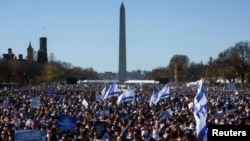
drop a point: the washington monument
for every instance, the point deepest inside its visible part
(122, 76)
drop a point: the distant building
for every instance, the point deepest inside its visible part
(30, 51)
(42, 56)
(9, 56)
(20, 57)
(108, 75)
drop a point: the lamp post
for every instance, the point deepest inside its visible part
(13, 77)
(24, 75)
(175, 72)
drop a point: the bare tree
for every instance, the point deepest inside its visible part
(237, 58)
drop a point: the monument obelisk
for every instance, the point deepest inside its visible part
(122, 73)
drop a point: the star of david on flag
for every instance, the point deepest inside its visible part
(200, 112)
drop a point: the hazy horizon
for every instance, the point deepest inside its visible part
(86, 33)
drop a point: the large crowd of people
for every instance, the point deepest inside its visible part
(171, 119)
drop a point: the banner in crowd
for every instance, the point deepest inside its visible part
(5, 103)
(66, 123)
(30, 135)
(85, 103)
(100, 129)
(50, 92)
(98, 97)
(104, 112)
(165, 114)
(231, 86)
(35, 102)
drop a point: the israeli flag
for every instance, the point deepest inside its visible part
(200, 112)
(163, 93)
(103, 92)
(128, 95)
(112, 91)
(153, 97)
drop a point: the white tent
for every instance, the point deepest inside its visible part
(141, 82)
(190, 84)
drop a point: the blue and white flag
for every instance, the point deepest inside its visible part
(100, 96)
(103, 91)
(163, 93)
(112, 91)
(128, 95)
(200, 113)
(153, 97)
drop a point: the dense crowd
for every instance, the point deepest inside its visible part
(171, 119)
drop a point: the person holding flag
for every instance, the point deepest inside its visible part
(112, 91)
(153, 97)
(200, 112)
(128, 95)
(163, 93)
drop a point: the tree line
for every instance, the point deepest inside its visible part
(32, 72)
(232, 63)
